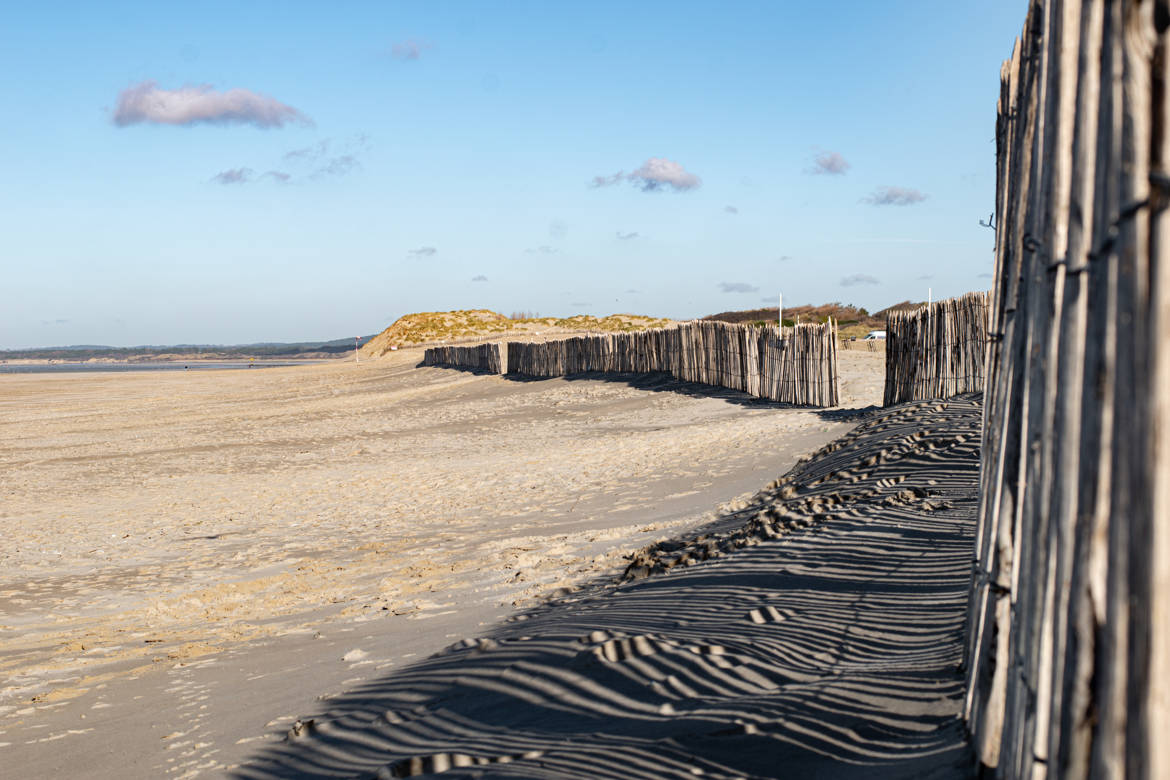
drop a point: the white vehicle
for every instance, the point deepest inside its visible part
(875, 334)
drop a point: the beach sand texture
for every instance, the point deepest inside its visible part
(819, 636)
(245, 527)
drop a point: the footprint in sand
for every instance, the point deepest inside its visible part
(770, 614)
(599, 636)
(478, 645)
(394, 717)
(441, 762)
(616, 650)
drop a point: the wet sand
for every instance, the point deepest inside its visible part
(191, 560)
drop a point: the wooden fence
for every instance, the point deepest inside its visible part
(864, 345)
(1068, 656)
(641, 352)
(798, 365)
(485, 357)
(795, 365)
(936, 351)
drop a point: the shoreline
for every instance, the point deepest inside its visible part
(29, 365)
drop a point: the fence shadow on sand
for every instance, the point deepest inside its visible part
(661, 382)
(823, 643)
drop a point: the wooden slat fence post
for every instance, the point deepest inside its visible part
(795, 366)
(1068, 651)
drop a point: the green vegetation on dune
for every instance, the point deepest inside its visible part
(433, 327)
(852, 320)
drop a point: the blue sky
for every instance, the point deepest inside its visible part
(238, 172)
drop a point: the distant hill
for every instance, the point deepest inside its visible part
(462, 325)
(899, 307)
(262, 350)
(852, 320)
(807, 313)
(434, 327)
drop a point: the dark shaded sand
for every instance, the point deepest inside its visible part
(819, 638)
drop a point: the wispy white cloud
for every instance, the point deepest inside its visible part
(327, 158)
(233, 176)
(337, 166)
(738, 287)
(656, 173)
(246, 175)
(308, 153)
(360, 142)
(626, 236)
(731, 209)
(543, 249)
(410, 49)
(201, 104)
(607, 181)
(830, 163)
(480, 278)
(856, 279)
(895, 196)
(423, 251)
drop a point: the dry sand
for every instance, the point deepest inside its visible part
(188, 560)
(814, 632)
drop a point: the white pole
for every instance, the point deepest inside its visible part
(780, 312)
(356, 341)
(929, 313)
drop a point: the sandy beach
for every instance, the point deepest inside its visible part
(191, 560)
(813, 631)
